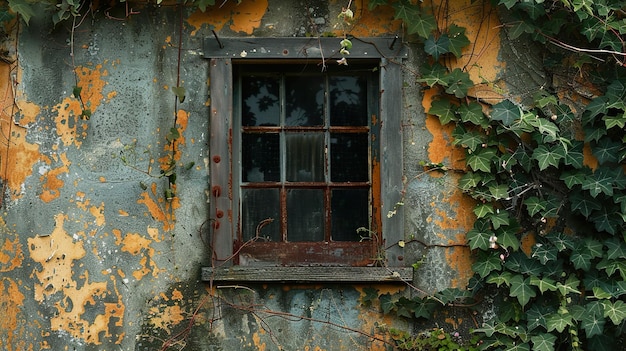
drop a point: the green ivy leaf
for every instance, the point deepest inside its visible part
(387, 302)
(607, 220)
(434, 74)
(597, 106)
(612, 266)
(601, 181)
(593, 319)
(500, 278)
(437, 46)
(534, 205)
(469, 181)
(606, 150)
(473, 113)
(533, 9)
(536, 317)
(522, 289)
(616, 311)
(487, 263)
(506, 112)
(616, 248)
(482, 210)
(518, 28)
(558, 321)
(570, 286)
(544, 284)
(23, 8)
(480, 160)
(458, 39)
(573, 178)
(498, 219)
(422, 24)
(444, 110)
(543, 342)
(470, 140)
(547, 157)
(459, 83)
(544, 253)
(478, 236)
(508, 239)
(594, 133)
(370, 295)
(574, 156)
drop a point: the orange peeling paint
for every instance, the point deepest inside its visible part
(18, 156)
(158, 210)
(11, 300)
(243, 17)
(136, 244)
(51, 183)
(528, 242)
(98, 213)
(56, 253)
(440, 149)
(11, 253)
(479, 59)
(371, 23)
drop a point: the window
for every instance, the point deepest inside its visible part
(302, 157)
(303, 177)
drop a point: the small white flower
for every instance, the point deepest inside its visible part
(243, 54)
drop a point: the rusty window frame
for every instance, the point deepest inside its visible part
(222, 55)
(255, 250)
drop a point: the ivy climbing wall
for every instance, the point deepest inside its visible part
(101, 250)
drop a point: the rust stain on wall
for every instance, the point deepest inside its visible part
(240, 17)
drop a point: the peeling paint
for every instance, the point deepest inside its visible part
(241, 17)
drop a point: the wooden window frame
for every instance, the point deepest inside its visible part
(223, 53)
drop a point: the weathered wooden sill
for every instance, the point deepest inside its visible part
(313, 274)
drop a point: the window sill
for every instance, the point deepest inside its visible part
(314, 274)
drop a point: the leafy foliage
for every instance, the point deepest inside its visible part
(550, 171)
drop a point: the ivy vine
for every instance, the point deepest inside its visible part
(550, 172)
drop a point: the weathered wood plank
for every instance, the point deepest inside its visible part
(317, 274)
(392, 160)
(219, 149)
(302, 48)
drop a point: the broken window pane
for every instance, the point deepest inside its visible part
(349, 211)
(261, 157)
(259, 205)
(305, 215)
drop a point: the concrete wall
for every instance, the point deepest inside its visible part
(94, 257)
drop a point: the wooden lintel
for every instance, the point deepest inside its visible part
(313, 274)
(303, 48)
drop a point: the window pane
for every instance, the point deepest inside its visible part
(257, 206)
(304, 101)
(305, 215)
(305, 157)
(260, 157)
(348, 101)
(349, 211)
(260, 101)
(349, 157)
